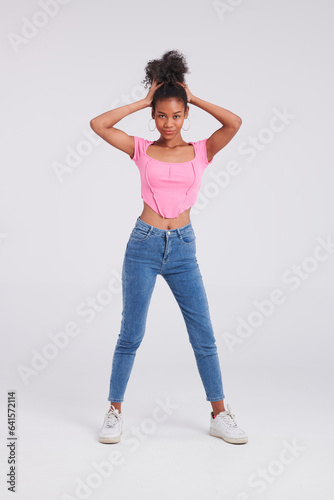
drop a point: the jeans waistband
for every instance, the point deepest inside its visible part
(162, 232)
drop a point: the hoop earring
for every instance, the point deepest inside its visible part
(149, 126)
(185, 129)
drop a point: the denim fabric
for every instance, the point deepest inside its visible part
(172, 254)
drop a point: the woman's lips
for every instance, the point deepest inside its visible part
(169, 131)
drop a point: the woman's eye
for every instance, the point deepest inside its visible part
(176, 116)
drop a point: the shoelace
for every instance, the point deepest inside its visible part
(111, 418)
(228, 418)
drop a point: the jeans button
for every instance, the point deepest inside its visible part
(168, 232)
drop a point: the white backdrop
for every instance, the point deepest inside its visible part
(265, 246)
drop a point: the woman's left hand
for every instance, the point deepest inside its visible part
(190, 96)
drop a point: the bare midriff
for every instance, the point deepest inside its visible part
(151, 217)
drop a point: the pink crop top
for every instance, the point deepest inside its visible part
(170, 188)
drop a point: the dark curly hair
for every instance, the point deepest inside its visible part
(170, 68)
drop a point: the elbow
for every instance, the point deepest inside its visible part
(92, 124)
(234, 124)
(97, 124)
(238, 122)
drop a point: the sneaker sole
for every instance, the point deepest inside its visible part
(229, 440)
(110, 440)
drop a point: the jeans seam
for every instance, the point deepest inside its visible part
(149, 232)
(187, 242)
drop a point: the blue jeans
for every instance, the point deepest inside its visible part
(172, 254)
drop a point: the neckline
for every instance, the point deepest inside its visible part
(172, 162)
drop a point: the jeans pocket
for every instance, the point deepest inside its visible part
(140, 234)
(188, 236)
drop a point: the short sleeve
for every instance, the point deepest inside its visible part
(202, 152)
(140, 146)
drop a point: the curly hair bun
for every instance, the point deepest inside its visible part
(170, 68)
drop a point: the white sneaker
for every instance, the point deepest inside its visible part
(225, 426)
(111, 429)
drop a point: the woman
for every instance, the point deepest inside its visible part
(163, 239)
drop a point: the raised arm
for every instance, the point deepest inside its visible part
(103, 125)
(230, 123)
(230, 126)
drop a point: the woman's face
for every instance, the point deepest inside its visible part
(169, 116)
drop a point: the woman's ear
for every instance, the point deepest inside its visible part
(186, 113)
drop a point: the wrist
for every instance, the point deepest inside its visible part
(194, 100)
(145, 102)
(137, 105)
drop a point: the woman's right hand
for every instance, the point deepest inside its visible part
(153, 88)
